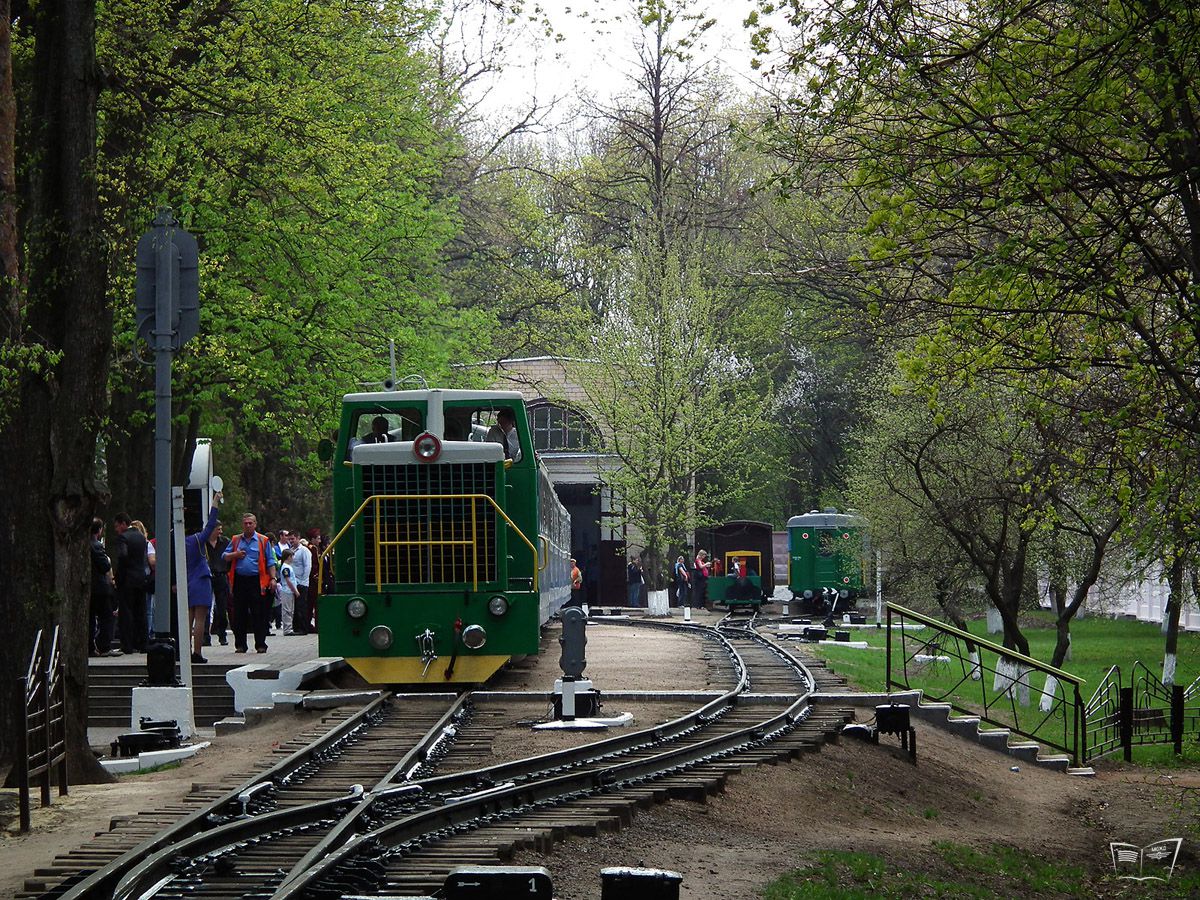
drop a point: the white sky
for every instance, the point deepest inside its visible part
(594, 55)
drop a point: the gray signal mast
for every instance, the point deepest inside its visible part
(168, 316)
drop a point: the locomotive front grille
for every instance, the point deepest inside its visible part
(442, 540)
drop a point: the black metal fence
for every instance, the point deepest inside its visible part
(1145, 711)
(980, 678)
(41, 743)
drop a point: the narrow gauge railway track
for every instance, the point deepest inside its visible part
(370, 746)
(409, 841)
(407, 836)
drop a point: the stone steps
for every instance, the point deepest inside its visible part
(110, 694)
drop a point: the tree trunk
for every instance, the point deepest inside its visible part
(47, 449)
(1174, 607)
(10, 240)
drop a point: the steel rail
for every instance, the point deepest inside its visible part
(152, 877)
(341, 832)
(153, 873)
(521, 791)
(103, 882)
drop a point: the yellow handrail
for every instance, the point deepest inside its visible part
(472, 543)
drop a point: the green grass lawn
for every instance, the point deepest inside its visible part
(954, 870)
(1097, 645)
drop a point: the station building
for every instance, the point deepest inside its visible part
(563, 435)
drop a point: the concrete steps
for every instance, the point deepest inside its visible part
(973, 728)
(110, 691)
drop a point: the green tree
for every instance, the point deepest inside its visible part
(672, 400)
(1028, 177)
(304, 153)
(54, 352)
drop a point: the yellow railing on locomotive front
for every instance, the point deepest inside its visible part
(471, 542)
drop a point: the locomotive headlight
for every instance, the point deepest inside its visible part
(808, 595)
(474, 637)
(380, 637)
(356, 607)
(426, 447)
(498, 605)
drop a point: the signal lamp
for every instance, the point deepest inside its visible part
(474, 637)
(426, 447)
(498, 605)
(380, 637)
(356, 607)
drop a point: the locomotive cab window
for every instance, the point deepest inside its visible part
(378, 426)
(827, 544)
(504, 425)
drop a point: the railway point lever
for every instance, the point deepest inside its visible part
(574, 694)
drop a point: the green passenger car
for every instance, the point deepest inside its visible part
(827, 553)
(450, 546)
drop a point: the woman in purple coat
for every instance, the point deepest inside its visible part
(199, 580)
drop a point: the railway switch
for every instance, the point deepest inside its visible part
(499, 883)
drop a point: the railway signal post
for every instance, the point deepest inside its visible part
(168, 315)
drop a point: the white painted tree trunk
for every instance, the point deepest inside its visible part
(1022, 683)
(1168, 669)
(1049, 694)
(976, 669)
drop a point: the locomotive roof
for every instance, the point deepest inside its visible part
(829, 518)
(424, 395)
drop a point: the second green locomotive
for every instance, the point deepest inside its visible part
(827, 553)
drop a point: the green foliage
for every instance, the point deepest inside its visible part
(973, 873)
(673, 399)
(16, 361)
(1026, 207)
(301, 147)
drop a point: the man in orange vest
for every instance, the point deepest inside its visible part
(252, 583)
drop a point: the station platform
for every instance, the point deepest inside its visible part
(281, 652)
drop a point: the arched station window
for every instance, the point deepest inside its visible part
(559, 428)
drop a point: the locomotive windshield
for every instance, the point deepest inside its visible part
(384, 426)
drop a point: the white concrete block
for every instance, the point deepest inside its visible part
(251, 690)
(161, 703)
(125, 765)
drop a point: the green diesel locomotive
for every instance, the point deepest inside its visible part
(450, 547)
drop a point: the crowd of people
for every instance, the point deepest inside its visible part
(689, 583)
(244, 584)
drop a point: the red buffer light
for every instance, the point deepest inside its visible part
(426, 447)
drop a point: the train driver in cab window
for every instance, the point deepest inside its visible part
(378, 433)
(505, 432)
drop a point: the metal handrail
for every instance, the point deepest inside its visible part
(376, 499)
(1070, 710)
(983, 642)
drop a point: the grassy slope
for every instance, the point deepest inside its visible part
(1097, 644)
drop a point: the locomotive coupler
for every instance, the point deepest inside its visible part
(425, 641)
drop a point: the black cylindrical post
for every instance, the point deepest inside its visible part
(1125, 717)
(1177, 717)
(23, 753)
